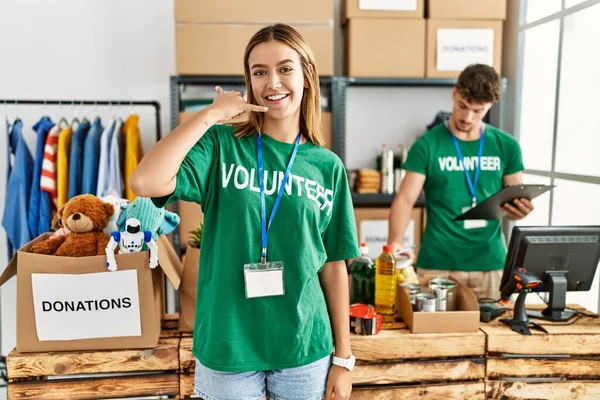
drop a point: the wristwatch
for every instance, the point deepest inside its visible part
(347, 363)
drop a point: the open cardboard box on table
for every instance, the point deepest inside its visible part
(75, 303)
(464, 319)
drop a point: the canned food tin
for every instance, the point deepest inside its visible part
(444, 289)
(426, 302)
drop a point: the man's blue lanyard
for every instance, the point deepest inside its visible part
(472, 184)
(261, 183)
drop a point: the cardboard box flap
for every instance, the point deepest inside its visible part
(169, 262)
(11, 269)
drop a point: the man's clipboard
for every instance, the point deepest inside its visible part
(491, 208)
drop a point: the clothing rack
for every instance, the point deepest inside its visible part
(154, 104)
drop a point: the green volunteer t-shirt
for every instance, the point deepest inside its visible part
(448, 244)
(314, 224)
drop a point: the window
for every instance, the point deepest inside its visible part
(578, 112)
(538, 95)
(538, 9)
(559, 130)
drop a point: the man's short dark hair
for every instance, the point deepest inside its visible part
(479, 83)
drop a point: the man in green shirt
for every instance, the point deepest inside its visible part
(470, 252)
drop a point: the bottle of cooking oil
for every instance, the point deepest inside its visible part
(385, 286)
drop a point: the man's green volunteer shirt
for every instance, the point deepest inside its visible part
(446, 243)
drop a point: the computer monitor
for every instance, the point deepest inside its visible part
(563, 258)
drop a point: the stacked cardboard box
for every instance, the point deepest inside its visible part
(385, 38)
(211, 35)
(463, 32)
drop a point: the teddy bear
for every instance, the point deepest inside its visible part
(85, 216)
(119, 204)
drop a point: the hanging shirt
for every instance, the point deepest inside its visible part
(62, 165)
(14, 220)
(76, 159)
(103, 171)
(48, 179)
(114, 179)
(39, 212)
(133, 151)
(91, 158)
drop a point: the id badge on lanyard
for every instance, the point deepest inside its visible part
(266, 277)
(472, 223)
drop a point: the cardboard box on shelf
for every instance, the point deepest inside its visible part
(386, 48)
(383, 9)
(187, 291)
(255, 11)
(466, 9)
(218, 49)
(74, 303)
(453, 45)
(464, 319)
(372, 228)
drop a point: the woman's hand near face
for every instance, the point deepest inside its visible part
(231, 104)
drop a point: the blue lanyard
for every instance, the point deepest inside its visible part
(471, 184)
(261, 182)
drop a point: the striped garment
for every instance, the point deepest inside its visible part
(48, 177)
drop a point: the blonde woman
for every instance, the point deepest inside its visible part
(272, 291)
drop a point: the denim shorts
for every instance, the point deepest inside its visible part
(301, 383)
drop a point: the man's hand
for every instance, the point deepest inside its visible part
(339, 383)
(397, 251)
(519, 209)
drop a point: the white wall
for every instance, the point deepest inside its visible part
(92, 49)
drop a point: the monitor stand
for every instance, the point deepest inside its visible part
(519, 322)
(557, 287)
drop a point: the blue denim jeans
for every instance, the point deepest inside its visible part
(301, 383)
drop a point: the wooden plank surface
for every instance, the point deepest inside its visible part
(565, 390)
(186, 385)
(582, 337)
(187, 361)
(471, 391)
(164, 357)
(419, 371)
(529, 367)
(97, 388)
(399, 344)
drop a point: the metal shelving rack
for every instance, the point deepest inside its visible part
(336, 95)
(341, 85)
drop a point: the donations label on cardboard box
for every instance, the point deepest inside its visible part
(375, 234)
(86, 306)
(459, 48)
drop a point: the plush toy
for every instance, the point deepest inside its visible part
(118, 204)
(85, 216)
(130, 241)
(157, 221)
(57, 226)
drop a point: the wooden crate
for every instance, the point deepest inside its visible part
(398, 364)
(563, 364)
(98, 374)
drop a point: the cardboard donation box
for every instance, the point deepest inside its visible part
(464, 319)
(75, 303)
(467, 9)
(187, 291)
(452, 45)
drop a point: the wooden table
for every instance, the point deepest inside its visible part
(97, 374)
(563, 364)
(397, 364)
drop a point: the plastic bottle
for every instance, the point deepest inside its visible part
(362, 289)
(385, 287)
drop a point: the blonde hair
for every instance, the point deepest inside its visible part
(310, 107)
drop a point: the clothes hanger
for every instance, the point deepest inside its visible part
(75, 118)
(84, 119)
(62, 123)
